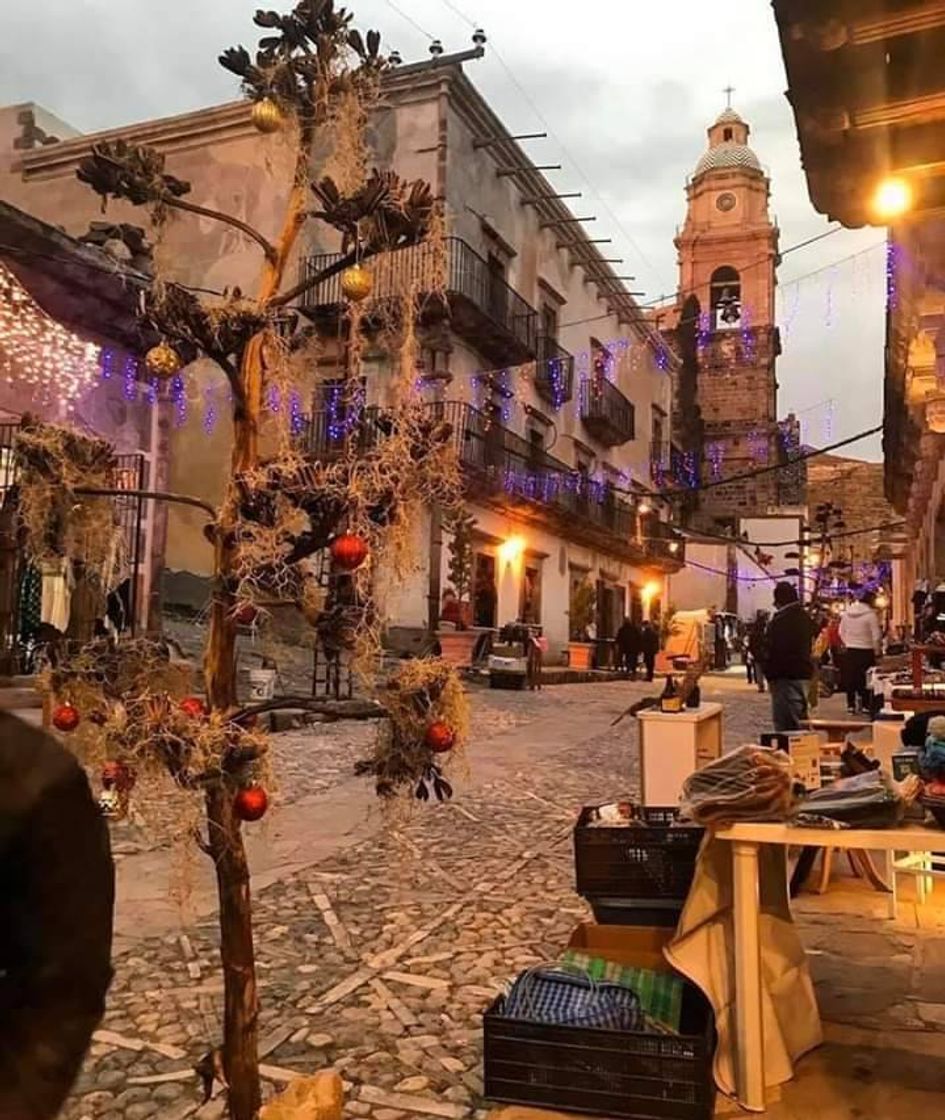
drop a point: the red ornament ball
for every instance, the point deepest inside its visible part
(66, 718)
(440, 737)
(246, 615)
(251, 803)
(194, 707)
(349, 551)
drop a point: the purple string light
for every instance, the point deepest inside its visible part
(130, 379)
(108, 363)
(274, 398)
(179, 397)
(296, 419)
(209, 410)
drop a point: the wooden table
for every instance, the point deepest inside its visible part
(745, 840)
(672, 746)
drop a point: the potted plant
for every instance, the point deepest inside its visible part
(455, 637)
(581, 612)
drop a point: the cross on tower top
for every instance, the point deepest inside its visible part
(728, 91)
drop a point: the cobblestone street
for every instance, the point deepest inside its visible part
(380, 939)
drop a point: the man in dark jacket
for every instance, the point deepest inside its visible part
(649, 647)
(788, 664)
(628, 647)
(56, 900)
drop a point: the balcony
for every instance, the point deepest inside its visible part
(606, 412)
(502, 468)
(671, 468)
(483, 308)
(554, 372)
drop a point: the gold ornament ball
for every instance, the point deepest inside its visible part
(267, 116)
(162, 361)
(356, 283)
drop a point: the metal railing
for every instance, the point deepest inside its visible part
(554, 372)
(461, 272)
(606, 412)
(496, 460)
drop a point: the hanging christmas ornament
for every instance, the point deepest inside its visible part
(246, 615)
(66, 718)
(348, 551)
(357, 283)
(163, 361)
(267, 116)
(251, 803)
(440, 737)
(194, 707)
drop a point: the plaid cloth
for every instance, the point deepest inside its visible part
(660, 993)
(566, 997)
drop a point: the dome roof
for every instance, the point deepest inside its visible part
(727, 156)
(729, 116)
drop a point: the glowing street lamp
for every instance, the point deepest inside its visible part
(893, 198)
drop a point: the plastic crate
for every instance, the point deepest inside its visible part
(636, 864)
(633, 1074)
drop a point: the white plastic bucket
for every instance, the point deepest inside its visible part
(262, 684)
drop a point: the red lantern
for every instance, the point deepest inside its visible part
(66, 718)
(349, 551)
(194, 707)
(246, 615)
(440, 737)
(251, 803)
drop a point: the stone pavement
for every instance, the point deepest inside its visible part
(381, 938)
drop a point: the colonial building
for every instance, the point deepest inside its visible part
(559, 390)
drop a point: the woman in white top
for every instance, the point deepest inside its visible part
(862, 641)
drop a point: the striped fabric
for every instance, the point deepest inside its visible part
(660, 993)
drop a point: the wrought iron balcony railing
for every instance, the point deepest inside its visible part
(498, 461)
(486, 309)
(606, 412)
(554, 373)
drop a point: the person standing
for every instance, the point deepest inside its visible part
(628, 647)
(756, 648)
(862, 640)
(56, 900)
(787, 662)
(649, 647)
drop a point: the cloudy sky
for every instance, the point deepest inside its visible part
(624, 89)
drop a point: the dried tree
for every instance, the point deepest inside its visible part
(307, 64)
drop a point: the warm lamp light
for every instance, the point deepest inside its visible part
(651, 589)
(643, 507)
(893, 198)
(882, 601)
(512, 549)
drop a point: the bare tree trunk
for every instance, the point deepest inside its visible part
(240, 1060)
(240, 1025)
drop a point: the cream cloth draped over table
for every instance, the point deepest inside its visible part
(703, 950)
(57, 588)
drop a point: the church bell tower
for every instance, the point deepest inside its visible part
(728, 251)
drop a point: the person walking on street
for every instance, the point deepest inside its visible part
(628, 648)
(862, 641)
(787, 662)
(756, 648)
(649, 647)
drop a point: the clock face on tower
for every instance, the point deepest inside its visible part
(726, 201)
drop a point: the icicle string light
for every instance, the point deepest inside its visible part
(38, 351)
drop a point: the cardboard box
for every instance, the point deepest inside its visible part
(640, 946)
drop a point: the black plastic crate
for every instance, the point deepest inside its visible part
(636, 863)
(637, 1075)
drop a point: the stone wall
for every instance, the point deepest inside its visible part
(855, 486)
